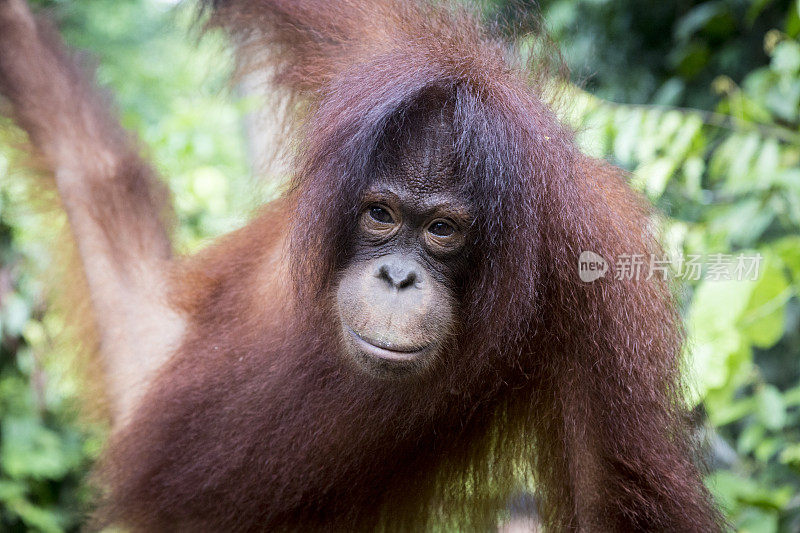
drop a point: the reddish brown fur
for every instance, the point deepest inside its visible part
(258, 423)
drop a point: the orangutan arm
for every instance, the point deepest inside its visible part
(115, 206)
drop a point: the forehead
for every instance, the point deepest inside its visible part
(417, 154)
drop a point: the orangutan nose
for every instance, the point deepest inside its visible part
(399, 273)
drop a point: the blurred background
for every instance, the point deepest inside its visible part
(699, 99)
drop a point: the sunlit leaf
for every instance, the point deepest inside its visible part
(764, 317)
(756, 520)
(771, 409)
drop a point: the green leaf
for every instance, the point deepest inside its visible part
(732, 411)
(12, 490)
(749, 438)
(717, 306)
(693, 169)
(716, 347)
(683, 140)
(656, 175)
(770, 406)
(788, 249)
(732, 488)
(763, 320)
(15, 314)
(786, 57)
(792, 396)
(755, 520)
(741, 223)
(790, 455)
(696, 19)
(37, 518)
(766, 165)
(29, 449)
(628, 124)
(739, 172)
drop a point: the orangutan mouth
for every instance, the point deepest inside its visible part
(382, 350)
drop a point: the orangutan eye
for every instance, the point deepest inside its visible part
(381, 214)
(441, 228)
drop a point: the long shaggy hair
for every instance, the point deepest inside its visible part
(572, 388)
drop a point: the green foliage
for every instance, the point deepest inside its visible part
(664, 52)
(43, 452)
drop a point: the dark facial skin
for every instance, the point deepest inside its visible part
(397, 297)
